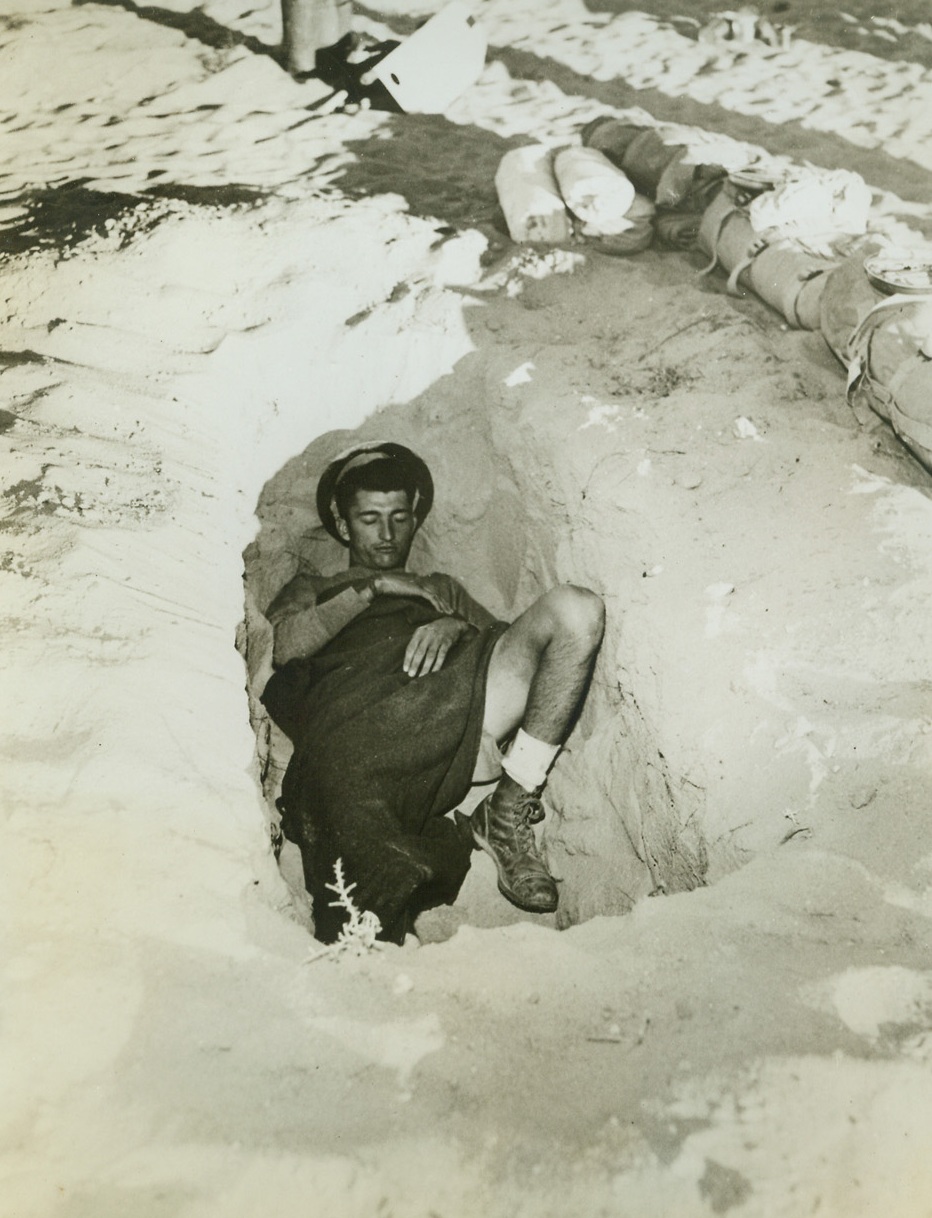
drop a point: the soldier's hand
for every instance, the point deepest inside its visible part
(430, 644)
(403, 583)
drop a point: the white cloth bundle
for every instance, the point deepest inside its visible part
(594, 189)
(815, 208)
(529, 196)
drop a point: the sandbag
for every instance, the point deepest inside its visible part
(636, 238)
(672, 173)
(726, 235)
(678, 227)
(657, 169)
(676, 181)
(610, 136)
(594, 189)
(686, 181)
(677, 230)
(891, 368)
(847, 299)
(530, 197)
(647, 162)
(807, 306)
(788, 278)
(790, 281)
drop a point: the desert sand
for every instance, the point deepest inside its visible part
(212, 280)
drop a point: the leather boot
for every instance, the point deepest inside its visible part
(501, 826)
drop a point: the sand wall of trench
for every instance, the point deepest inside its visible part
(616, 832)
(160, 1007)
(767, 640)
(167, 1046)
(154, 380)
(623, 426)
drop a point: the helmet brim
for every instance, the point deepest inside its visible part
(416, 471)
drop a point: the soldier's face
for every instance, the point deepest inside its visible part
(379, 527)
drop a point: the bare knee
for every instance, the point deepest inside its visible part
(577, 612)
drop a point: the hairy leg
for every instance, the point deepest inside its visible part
(541, 665)
(537, 678)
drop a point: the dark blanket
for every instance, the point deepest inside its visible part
(379, 758)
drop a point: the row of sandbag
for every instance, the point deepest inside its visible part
(620, 189)
(800, 248)
(779, 244)
(885, 341)
(626, 185)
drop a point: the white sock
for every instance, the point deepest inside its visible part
(529, 760)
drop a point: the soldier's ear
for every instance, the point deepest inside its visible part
(342, 527)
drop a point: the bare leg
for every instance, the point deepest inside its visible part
(536, 681)
(309, 25)
(541, 664)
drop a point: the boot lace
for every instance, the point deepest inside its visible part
(528, 810)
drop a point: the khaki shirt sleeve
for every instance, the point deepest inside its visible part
(463, 604)
(301, 625)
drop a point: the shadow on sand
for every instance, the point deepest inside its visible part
(195, 24)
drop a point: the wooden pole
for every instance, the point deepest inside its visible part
(308, 25)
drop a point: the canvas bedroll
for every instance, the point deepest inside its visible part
(595, 190)
(786, 277)
(530, 197)
(890, 368)
(657, 169)
(847, 299)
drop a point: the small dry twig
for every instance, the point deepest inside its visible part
(358, 936)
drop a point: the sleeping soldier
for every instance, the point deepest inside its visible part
(397, 690)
